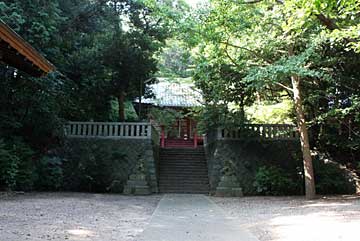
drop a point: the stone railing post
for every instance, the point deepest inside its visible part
(219, 133)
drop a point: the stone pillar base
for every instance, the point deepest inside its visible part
(137, 185)
(228, 187)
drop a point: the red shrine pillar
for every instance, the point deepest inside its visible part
(195, 138)
(162, 136)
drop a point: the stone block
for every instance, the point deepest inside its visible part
(237, 192)
(137, 190)
(223, 192)
(228, 187)
(142, 190)
(135, 183)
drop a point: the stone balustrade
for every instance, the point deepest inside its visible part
(259, 131)
(110, 130)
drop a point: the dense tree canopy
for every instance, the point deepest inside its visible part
(102, 50)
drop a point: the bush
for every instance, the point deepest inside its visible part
(8, 167)
(16, 165)
(275, 181)
(331, 179)
(49, 174)
(93, 167)
(26, 167)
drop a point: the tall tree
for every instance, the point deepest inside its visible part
(275, 45)
(139, 30)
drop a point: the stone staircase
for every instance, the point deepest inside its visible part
(183, 170)
(179, 143)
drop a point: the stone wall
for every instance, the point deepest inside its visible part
(248, 156)
(114, 159)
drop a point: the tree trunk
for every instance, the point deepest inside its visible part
(304, 139)
(121, 101)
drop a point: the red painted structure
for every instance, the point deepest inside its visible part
(186, 135)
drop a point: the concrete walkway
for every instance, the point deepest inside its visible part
(192, 218)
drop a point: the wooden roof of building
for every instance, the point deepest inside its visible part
(16, 52)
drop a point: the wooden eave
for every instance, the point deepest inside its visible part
(21, 54)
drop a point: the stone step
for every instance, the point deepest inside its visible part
(194, 187)
(183, 164)
(182, 150)
(182, 172)
(179, 173)
(182, 155)
(187, 162)
(179, 144)
(206, 192)
(164, 170)
(185, 187)
(182, 158)
(174, 183)
(203, 183)
(183, 169)
(181, 180)
(183, 161)
(183, 190)
(184, 177)
(179, 154)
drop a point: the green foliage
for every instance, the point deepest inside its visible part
(94, 168)
(130, 113)
(100, 49)
(165, 117)
(331, 179)
(175, 60)
(16, 165)
(24, 175)
(271, 113)
(8, 167)
(253, 49)
(49, 174)
(275, 181)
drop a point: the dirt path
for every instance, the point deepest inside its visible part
(74, 216)
(297, 219)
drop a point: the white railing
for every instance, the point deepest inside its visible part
(111, 130)
(259, 131)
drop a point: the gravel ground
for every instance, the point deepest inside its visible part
(296, 219)
(74, 216)
(95, 217)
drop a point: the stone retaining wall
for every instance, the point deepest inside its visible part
(120, 155)
(248, 156)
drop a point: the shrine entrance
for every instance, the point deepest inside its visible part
(182, 134)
